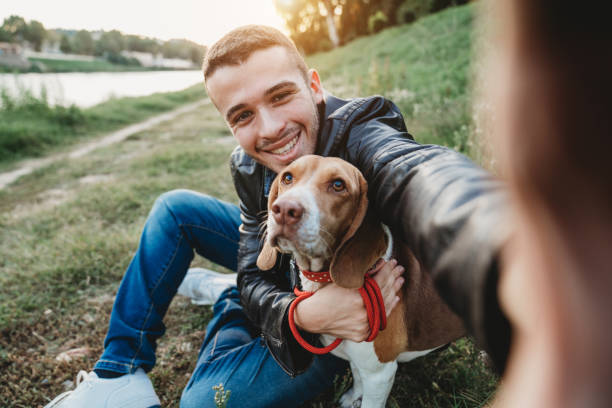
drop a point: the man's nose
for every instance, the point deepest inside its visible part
(287, 212)
(270, 125)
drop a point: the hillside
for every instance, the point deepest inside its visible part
(423, 67)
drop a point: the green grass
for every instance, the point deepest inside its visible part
(425, 68)
(30, 126)
(68, 230)
(67, 233)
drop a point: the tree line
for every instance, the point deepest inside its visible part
(314, 25)
(107, 44)
(320, 25)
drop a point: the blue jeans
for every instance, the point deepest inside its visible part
(232, 354)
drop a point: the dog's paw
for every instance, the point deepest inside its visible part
(350, 400)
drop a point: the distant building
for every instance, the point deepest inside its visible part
(50, 47)
(96, 35)
(10, 48)
(150, 60)
(58, 56)
(11, 55)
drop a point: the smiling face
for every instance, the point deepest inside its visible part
(269, 106)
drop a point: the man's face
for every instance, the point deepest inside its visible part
(270, 108)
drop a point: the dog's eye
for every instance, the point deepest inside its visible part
(338, 185)
(287, 178)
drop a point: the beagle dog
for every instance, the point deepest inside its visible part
(318, 212)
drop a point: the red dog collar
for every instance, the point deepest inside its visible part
(319, 277)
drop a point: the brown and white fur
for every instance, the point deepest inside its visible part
(318, 212)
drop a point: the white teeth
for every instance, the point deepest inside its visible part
(287, 147)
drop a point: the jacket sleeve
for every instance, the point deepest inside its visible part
(447, 209)
(265, 295)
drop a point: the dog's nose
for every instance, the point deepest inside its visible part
(287, 212)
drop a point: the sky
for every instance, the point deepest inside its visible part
(202, 21)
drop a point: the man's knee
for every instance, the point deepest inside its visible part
(175, 200)
(198, 397)
(178, 203)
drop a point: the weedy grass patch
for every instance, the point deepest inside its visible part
(68, 233)
(31, 126)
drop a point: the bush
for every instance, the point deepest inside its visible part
(115, 58)
(377, 22)
(29, 124)
(411, 10)
(70, 116)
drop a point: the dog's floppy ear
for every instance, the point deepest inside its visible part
(268, 254)
(360, 247)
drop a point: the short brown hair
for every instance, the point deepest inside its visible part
(237, 46)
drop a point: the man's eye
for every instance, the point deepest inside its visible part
(280, 96)
(242, 117)
(338, 185)
(287, 178)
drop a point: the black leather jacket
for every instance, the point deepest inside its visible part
(446, 208)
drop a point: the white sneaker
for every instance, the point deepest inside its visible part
(128, 391)
(204, 286)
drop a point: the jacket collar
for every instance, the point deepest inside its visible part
(326, 109)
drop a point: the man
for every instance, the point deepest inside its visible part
(432, 197)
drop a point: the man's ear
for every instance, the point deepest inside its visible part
(268, 254)
(314, 83)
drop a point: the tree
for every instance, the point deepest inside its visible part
(183, 49)
(83, 43)
(318, 25)
(142, 44)
(110, 43)
(5, 36)
(311, 23)
(14, 27)
(35, 33)
(329, 19)
(354, 18)
(65, 44)
(196, 54)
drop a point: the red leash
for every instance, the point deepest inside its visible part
(372, 300)
(316, 350)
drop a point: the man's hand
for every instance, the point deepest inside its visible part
(340, 312)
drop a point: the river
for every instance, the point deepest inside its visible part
(88, 89)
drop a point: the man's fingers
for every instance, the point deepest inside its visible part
(390, 284)
(399, 270)
(398, 284)
(384, 271)
(396, 274)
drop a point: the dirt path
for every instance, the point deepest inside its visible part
(28, 166)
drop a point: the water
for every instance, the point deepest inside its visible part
(88, 89)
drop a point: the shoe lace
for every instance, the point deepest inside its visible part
(83, 377)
